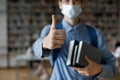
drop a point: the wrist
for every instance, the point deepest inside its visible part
(44, 43)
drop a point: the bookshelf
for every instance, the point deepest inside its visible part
(26, 18)
(105, 14)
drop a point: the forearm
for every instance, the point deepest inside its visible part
(38, 49)
(108, 70)
(108, 61)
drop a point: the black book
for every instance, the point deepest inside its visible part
(77, 52)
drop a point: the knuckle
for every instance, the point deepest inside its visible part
(54, 30)
(57, 46)
(62, 41)
(63, 32)
(64, 37)
(60, 46)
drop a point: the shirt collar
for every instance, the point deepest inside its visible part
(68, 27)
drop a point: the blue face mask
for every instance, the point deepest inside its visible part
(71, 11)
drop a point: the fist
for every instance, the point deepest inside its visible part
(55, 38)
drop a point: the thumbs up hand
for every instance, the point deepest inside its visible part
(55, 39)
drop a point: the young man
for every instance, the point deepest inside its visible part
(52, 39)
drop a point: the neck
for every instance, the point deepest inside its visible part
(72, 22)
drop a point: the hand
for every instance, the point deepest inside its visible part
(55, 38)
(92, 69)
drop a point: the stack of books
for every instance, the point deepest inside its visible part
(77, 52)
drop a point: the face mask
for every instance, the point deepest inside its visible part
(71, 11)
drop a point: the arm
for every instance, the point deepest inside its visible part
(108, 60)
(37, 46)
(50, 39)
(107, 67)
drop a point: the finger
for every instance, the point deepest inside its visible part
(57, 46)
(80, 70)
(77, 69)
(59, 42)
(54, 22)
(83, 72)
(61, 32)
(60, 37)
(88, 60)
(54, 46)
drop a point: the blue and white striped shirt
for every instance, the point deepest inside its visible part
(79, 32)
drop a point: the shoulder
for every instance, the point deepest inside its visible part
(47, 27)
(97, 30)
(45, 30)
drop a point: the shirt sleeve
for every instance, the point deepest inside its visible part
(108, 61)
(38, 50)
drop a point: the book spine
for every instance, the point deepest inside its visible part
(69, 59)
(79, 51)
(75, 54)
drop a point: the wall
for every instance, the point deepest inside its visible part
(3, 34)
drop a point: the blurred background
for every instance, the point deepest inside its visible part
(21, 22)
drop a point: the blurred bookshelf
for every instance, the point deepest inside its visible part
(104, 14)
(26, 18)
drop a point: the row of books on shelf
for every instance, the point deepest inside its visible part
(33, 17)
(17, 50)
(35, 4)
(104, 19)
(108, 1)
(38, 28)
(30, 5)
(22, 37)
(31, 1)
(38, 16)
(43, 2)
(19, 44)
(42, 10)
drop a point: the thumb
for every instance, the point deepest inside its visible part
(54, 21)
(88, 59)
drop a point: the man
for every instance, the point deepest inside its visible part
(72, 29)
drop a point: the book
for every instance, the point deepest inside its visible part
(77, 52)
